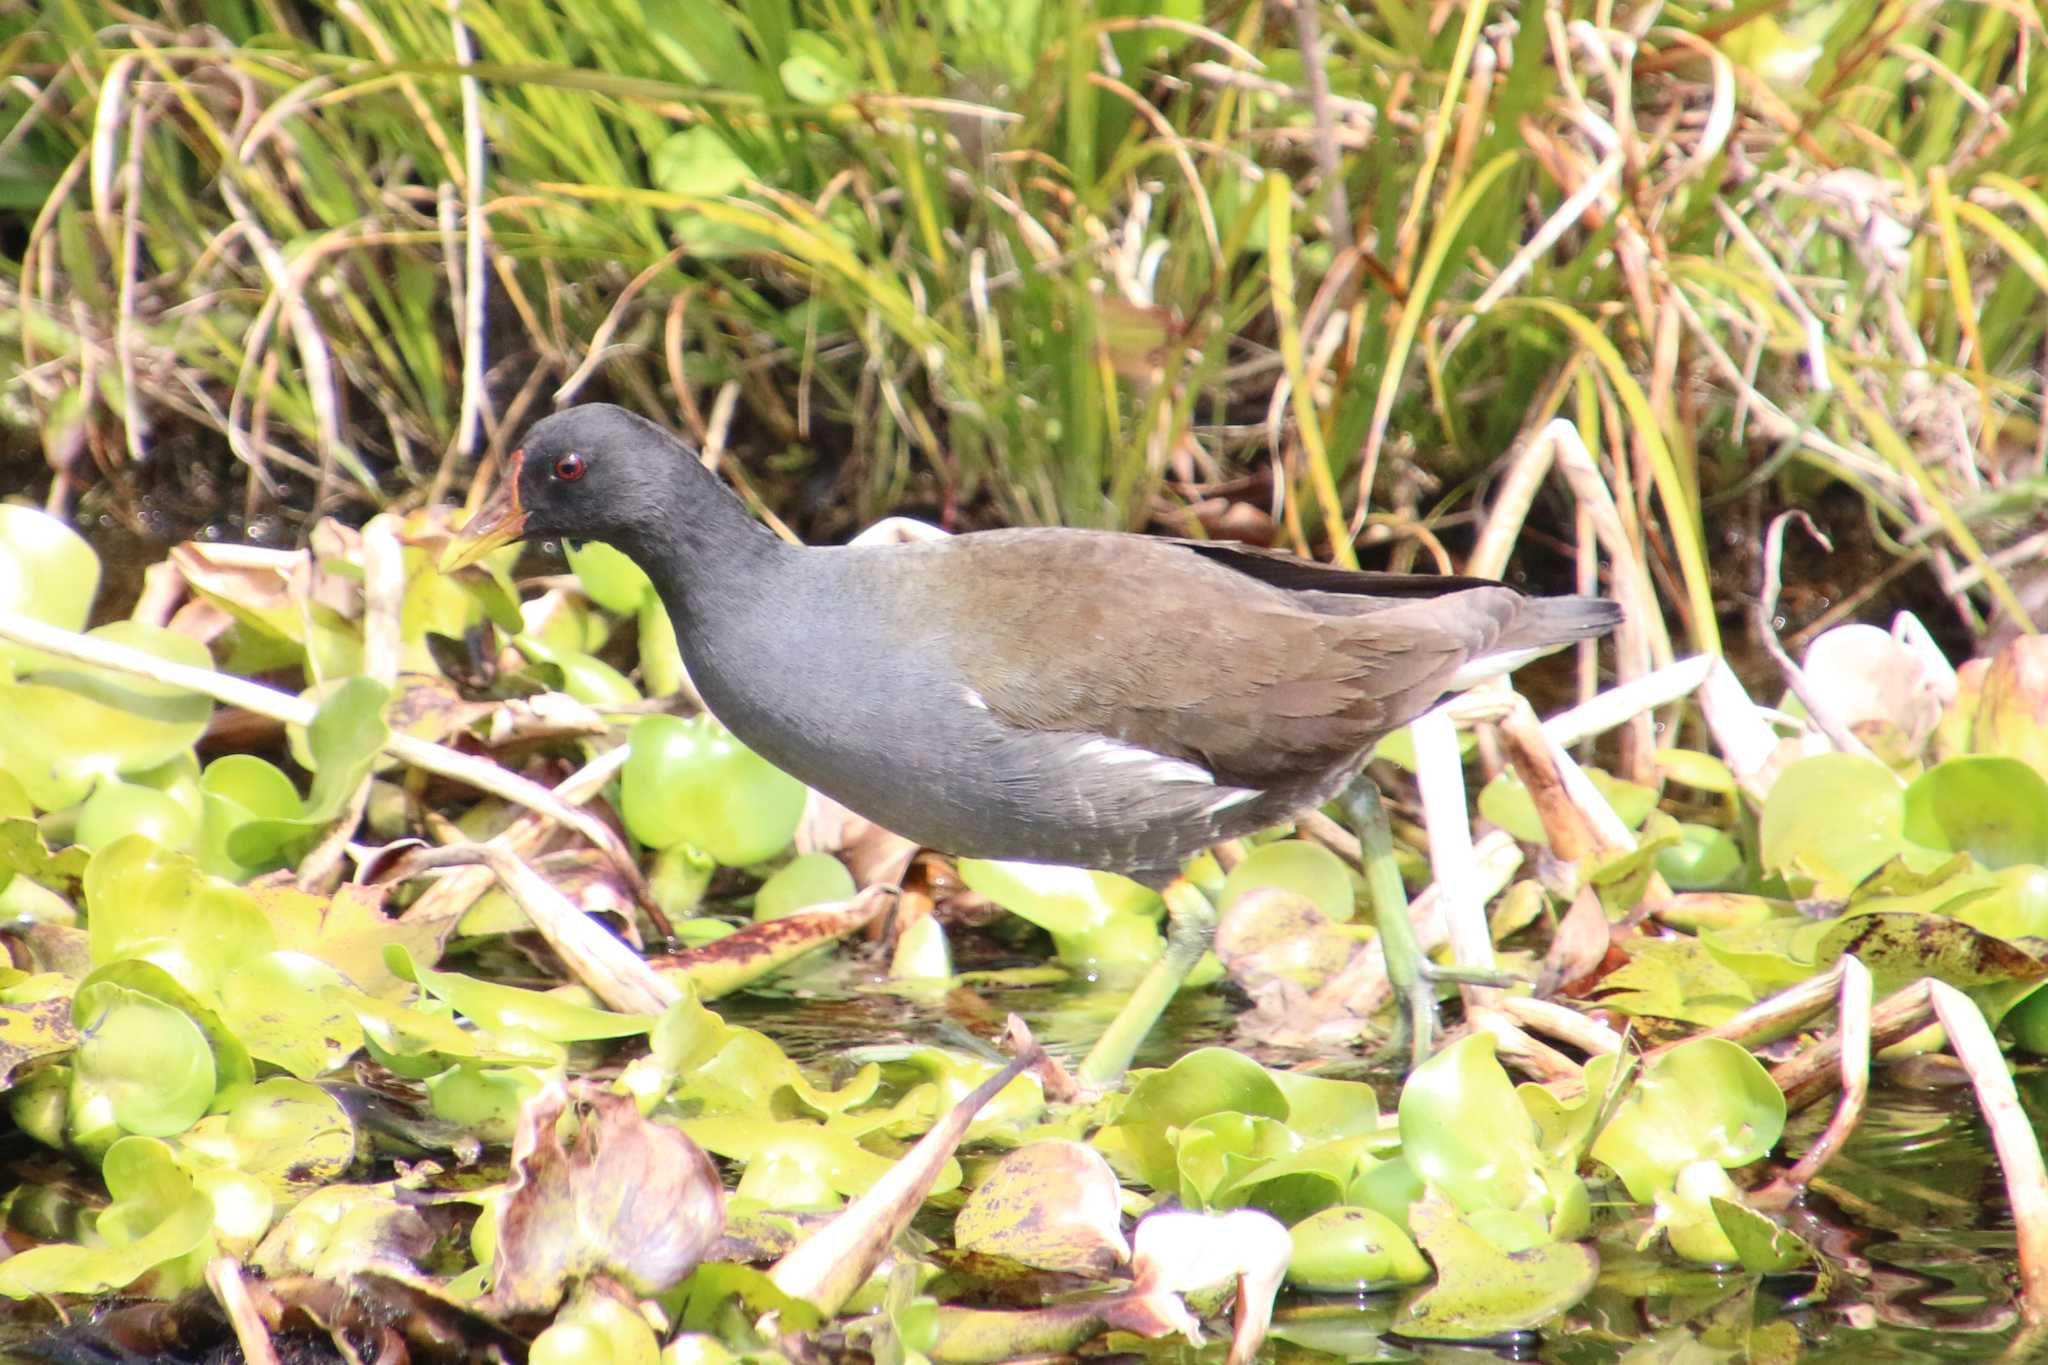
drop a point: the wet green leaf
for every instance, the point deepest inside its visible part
(1704, 859)
(1055, 1205)
(504, 1009)
(1464, 1131)
(346, 736)
(1482, 1292)
(690, 781)
(47, 573)
(1995, 809)
(1899, 947)
(149, 902)
(1705, 1100)
(1834, 819)
(1095, 918)
(180, 1229)
(148, 1062)
(808, 880)
(1307, 870)
(80, 725)
(1763, 1247)
(1345, 1250)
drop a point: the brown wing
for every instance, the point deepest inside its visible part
(1149, 643)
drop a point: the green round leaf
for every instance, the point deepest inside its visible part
(1705, 1100)
(1344, 1250)
(1704, 859)
(609, 578)
(1295, 865)
(78, 724)
(1995, 809)
(690, 781)
(116, 809)
(150, 1061)
(807, 880)
(47, 573)
(1834, 818)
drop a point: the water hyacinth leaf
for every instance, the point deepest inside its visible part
(149, 902)
(117, 809)
(1308, 870)
(595, 1328)
(289, 1135)
(181, 1229)
(2014, 906)
(690, 781)
(1268, 934)
(1464, 1131)
(347, 733)
(807, 880)
(1054, 1205)
(1703, 859)
(31, 1031)
(48, 573)
(485, 1100)
(148, 1062)
(279, 1005)
(747, 955)
(1209, 1080)
(1345, 1250)
(337, 1230)
(1705, 1100)
(628, 1198)
(1483, 1292)
(508, 1008)
(1695, 769)
(1832, 819)
(1095, 918)
(1565, 1129)
(1686, 1213)
(82, 724)
(1901, 946)
(1213, 1153)
(23, 853)
(1319, 1107)
(238, 789)
(1993, 808)
(827, 1160)
(1761, 1245)
(1299, 1182)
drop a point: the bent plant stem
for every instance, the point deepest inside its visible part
(1192, 921)
(1408, 970)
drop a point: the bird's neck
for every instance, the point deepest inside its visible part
(706, 552)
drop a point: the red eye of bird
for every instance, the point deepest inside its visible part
(569, 468)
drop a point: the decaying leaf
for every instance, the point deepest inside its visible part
(628, 1198)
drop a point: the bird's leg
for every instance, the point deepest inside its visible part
(1191, 926)
(1409, 970)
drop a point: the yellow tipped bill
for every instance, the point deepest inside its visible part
(500, 521)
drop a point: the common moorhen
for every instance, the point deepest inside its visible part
(1091, 698)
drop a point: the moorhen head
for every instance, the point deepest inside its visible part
(1091, 698)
